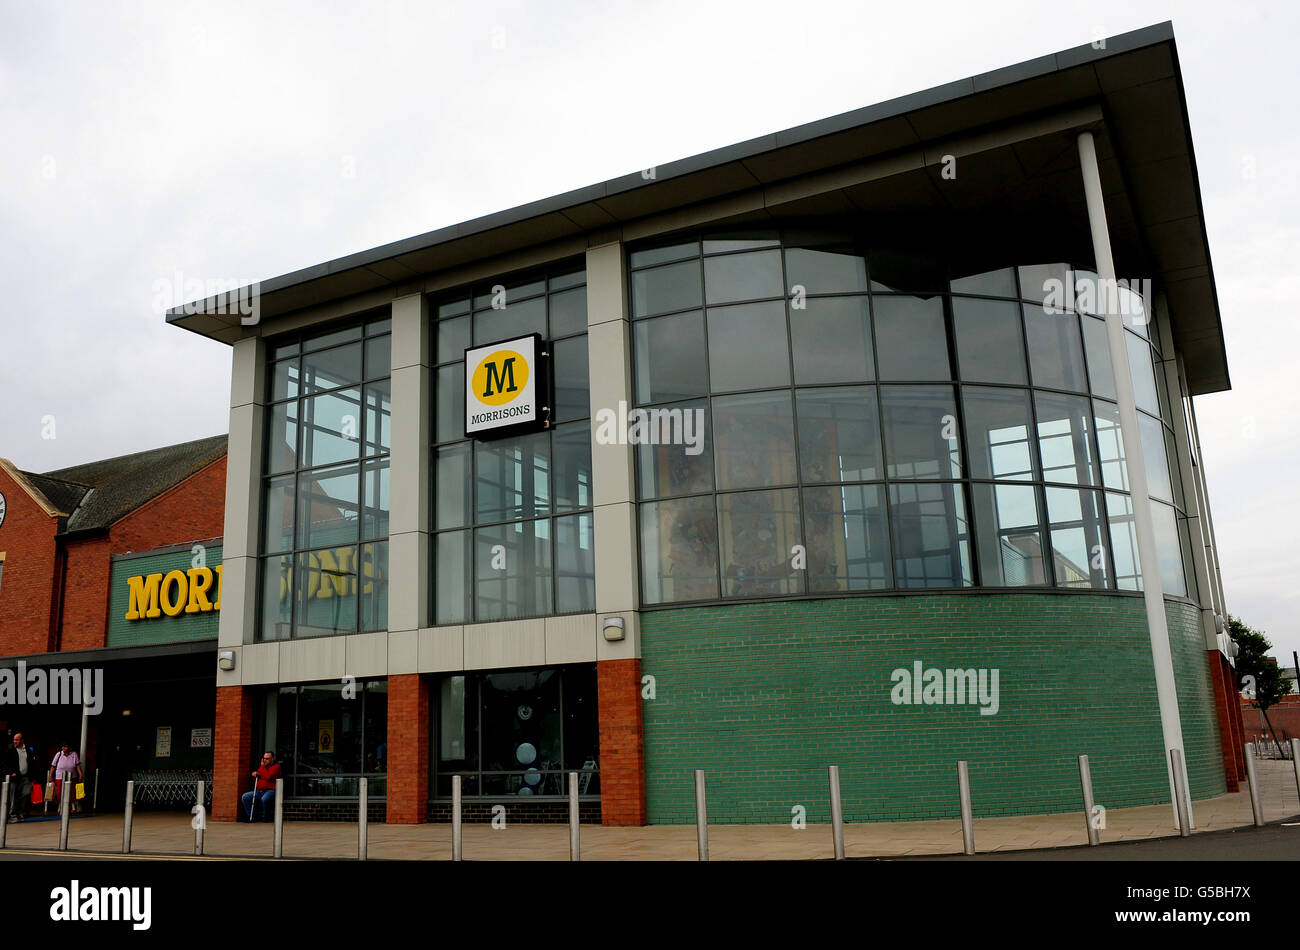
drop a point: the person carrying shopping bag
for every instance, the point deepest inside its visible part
(65, 762)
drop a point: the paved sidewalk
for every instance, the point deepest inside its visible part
(170, 833)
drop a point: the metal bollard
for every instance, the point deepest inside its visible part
(128, 816)
(575, 842)
(1257, 809)
(701, 816)
(455, 817)
(94, 801)
(1295, 765)
(278, 850)
(4, 812)
(201, 814)
(65, 810)
(837, 814)
(1085, 781)
(1180, 792)
(967, 821)
(363, 807)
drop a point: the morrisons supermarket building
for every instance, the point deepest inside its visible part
(910, 435)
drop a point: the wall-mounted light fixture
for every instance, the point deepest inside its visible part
(612, 628)
(226, 660)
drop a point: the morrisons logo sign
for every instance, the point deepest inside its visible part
(504, 387)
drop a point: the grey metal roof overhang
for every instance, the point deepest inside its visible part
(1147, 161)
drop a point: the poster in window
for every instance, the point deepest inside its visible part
(162, 747)
(325, 736)
(201, 738)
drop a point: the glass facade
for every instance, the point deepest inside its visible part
(878, 421)
(327, 735)
(512, 517)
(325, 491)
(516, 732)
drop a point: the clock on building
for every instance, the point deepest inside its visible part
(2, 508)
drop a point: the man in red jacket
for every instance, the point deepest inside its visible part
(264, 797)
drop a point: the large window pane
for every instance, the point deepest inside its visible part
(575, 564)
(513, 477)
(379, 357)
(1169, 550)
(1010, 535)
(1065, 438)
(1144, 379)
(326, 592)
(453, 339)
(1123, 541)
(754, 440)
(670, 358)
(990, 348)
(282, 438)
(847, 538)
(1110, 445)
(449, 403)
(373, 586)
(747, 347)
(677, 456)
(375, 501)
(331, 430)
(277, 573)
(284, 380)
(452, 568)
(994, 283)
(1153, 458)
(512, 570)
(757, 533)
(1100, 369)
(920, 426)
(569, 312)
(660, 255)
(1041, 281)
(330, 369)
(832, 341)
(910, 340)
(931, 536)
(454, 486)
(514, 320)
(572, 381)
(1076, 522)
(839, 435)
(1055, 349)
(997, 433)
(328, 507)
(666, 289)
(742, 277)
(572, 462)
(522, 730)
(277, 515)
(379, 425)
(679, 550)
(825, 271)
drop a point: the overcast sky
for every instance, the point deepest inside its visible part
(142, 141)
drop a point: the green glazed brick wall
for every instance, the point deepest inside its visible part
(164, 629)
(1196, 709)
(765, 696)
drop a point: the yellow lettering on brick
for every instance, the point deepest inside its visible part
(200, 581)
(177, 580)
(144, 597)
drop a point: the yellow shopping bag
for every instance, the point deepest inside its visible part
(80, 791)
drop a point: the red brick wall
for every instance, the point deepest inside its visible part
(85, 595)
(1285, 717)
(27, 578)
(232, 754)
(193, 510)
(408, 749)
(622, 760)
(1221, 676)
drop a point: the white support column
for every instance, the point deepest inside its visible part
(409, 463)
(1216, 575)
(238, 621)
(1152, 588)
(613, 474)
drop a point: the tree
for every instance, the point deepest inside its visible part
(1259, 675)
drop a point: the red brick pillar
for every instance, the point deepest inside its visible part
(408, 749)
(622, 761)
(232, 754)
(1224, 699)
(1239, 727)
